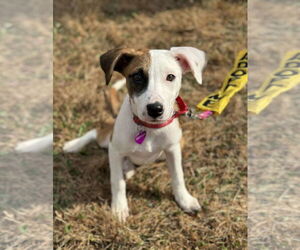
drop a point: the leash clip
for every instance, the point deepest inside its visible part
(199, 116)
(190, 114)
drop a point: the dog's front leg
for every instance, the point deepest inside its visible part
(118, 185)
(185, 200)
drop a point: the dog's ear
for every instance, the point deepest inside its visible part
(190, 60)
(116, 60)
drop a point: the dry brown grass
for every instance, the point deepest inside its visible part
(214, 158)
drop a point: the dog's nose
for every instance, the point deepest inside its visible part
(155, 109)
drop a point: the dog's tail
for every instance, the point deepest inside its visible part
(102, 135)
(78, 144)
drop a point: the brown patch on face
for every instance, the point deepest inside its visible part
(136, 74)
(132, 64)
(119, 60)
(140, 61)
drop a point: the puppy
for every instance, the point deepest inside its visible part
(146, 127)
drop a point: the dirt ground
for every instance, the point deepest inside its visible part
(214, 158)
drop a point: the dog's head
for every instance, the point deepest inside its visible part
(153, 77)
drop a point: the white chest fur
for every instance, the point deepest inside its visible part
(155, 142)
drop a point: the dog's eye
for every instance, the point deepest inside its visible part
(170, 78)
(137, 77)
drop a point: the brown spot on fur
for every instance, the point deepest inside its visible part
(112, 101)
(105, 131)
(113, 104)
(120, 59)
(137, 68)
(139, 61)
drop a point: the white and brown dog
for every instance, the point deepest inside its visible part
(146, 129)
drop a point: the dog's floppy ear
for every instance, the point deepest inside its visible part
(190, 60)
(115, 60)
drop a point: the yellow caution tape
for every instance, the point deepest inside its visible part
(234, 81)
(284, 78)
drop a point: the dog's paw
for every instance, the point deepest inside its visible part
(120, 210)
(188, 203)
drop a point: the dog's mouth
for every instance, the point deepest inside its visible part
(158, 120)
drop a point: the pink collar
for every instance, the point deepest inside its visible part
(183, 109)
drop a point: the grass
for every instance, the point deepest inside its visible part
(214, 157)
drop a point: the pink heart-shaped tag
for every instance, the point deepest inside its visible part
(140, 137)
